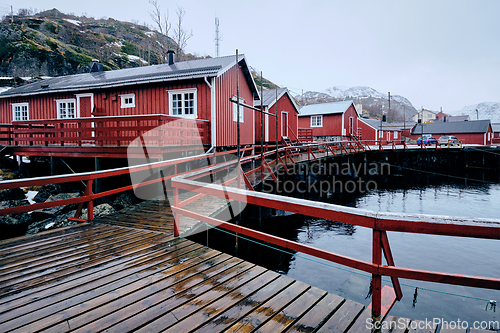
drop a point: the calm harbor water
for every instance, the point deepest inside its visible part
(463, 194)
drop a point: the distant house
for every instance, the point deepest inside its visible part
(288, 112)
(453, 118)
(375, 130)
(198, 89)
(441, 115)
(470, 132)
(496, 132)
(424, 116)
(331, 121)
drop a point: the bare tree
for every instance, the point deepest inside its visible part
(163, 24)
(181, 36)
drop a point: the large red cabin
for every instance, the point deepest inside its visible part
(477, 132)
(98, 114)
(288, 111)
(331, 121)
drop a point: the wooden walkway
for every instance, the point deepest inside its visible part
(127, 272)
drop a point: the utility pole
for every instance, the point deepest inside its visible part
(11, 15)
(477, 114)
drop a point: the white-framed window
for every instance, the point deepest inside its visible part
(380, 134)
(66, 108)
(127, 101)
(235, 110)
(183, 103)
(316, 121)
(395, 135)
(20, 111)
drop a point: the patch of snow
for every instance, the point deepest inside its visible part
(149, 33)
(2, 89)
(47, 226)
(136, 58)
(6, 77)
(30, 195)
(119, 44)
(75, 22)
(486, 110)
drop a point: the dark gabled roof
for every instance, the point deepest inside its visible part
(495, 127)
(475, 126)
(184, 70)
(375, 123)
(269, 98)
(326, 108)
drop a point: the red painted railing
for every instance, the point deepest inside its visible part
(305, 134)
(379, 222)
(118, 131)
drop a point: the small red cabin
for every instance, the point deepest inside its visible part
(108, 109)
(331, 121)
(288, 111)
(376, 130)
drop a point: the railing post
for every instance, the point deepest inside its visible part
(176, 204)
(376, 278)
(90, 205)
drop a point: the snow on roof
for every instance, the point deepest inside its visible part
(325, 108)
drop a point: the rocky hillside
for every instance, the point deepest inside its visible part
(374, 102)
(51, 43)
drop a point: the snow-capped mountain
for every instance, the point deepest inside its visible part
(374, 102)
(486, 110)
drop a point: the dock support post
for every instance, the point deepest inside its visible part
(376, 278)
(98, 182)
(52, 166)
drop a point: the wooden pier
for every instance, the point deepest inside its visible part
(127, 272)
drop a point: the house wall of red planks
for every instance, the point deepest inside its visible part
(226, 132)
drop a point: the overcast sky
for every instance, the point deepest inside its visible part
(436, 53)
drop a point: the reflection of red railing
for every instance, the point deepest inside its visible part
(162, 130)
(305, 134)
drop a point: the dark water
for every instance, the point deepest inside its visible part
(464, 193)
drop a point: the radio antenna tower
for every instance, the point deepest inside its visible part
(217, 38)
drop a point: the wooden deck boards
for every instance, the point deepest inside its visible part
(127, 272)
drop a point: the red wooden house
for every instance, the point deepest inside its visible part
(288, 111)
(469, 132)
(100, 112)
(375, 130)
(331, 121)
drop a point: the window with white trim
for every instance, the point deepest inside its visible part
(66, 108)
(127, 101)
(20, 111)
(316, 121)
(395, 135)
(235, 110)
(183, 103)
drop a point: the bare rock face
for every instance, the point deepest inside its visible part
(58, 221)
(46, 191)
(15, 219)
(12, 194)
(125, 200)
(46, 213)
(99, 211)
